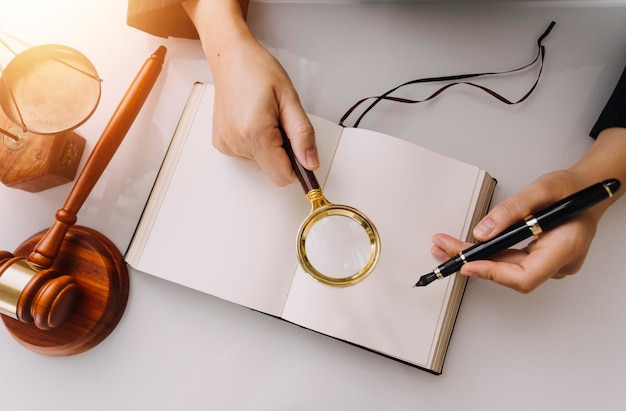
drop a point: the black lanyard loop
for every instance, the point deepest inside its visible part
(454, 78)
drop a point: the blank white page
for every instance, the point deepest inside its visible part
(409, 193)
(223, 227)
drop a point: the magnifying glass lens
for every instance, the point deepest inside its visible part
(338, 246)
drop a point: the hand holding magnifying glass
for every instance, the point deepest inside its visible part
(336, 244)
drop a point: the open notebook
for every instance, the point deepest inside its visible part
(220, 226)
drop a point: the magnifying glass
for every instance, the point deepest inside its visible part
(336, 244)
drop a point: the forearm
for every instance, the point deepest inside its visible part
(605, 159)
(220, 24)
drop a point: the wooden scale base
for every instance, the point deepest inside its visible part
(100, 272)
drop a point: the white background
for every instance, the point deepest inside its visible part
(561, 347)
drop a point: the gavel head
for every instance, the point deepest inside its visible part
(31, 295)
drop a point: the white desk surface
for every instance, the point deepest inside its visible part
(560, 347)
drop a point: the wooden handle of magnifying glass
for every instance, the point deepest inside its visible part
(306, 177)
(47, 249)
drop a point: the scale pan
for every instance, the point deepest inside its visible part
(49, 89)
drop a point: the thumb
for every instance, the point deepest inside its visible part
(301, 136)
(516, 208)
(500, 217)
(512, 210)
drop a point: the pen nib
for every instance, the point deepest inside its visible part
(425, 280)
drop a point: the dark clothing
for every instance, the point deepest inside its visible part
(614, 113)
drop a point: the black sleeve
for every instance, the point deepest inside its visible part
(614, 113)
(163, 18)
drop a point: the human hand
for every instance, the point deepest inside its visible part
(553, 254)
(253, 95)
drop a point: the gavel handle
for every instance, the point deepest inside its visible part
(47, 249)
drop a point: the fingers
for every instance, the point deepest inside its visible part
(520, 270)
(445, 246)
(271, 156)
(555, 254)
(505, 214)
(301, 135)
(510, 269)
(302, 138)
(506, 271)
(539, 194)
(263, 147)
(253, 135)
(250, 132)
(509, 275)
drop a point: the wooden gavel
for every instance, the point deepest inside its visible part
(32, 289)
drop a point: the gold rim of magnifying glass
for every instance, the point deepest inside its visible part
(362, 220)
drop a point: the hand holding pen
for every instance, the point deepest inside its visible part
(536, 224)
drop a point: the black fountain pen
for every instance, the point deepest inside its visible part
(532, 225)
